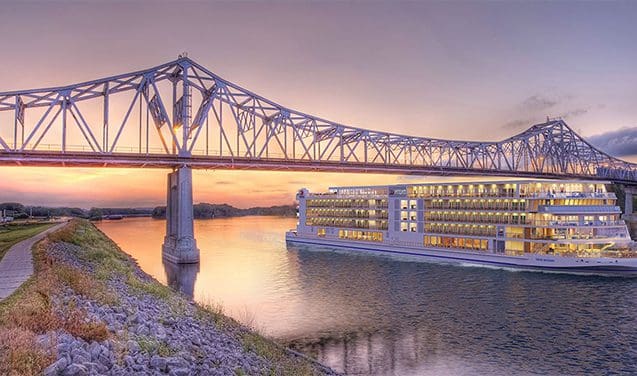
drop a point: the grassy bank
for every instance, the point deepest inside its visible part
(78, 272)
(11, 234)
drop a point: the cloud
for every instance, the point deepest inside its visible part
(533, 110)
(619, 143)
(538, 102)
(536, 108)
(573, 113)
(518, 124)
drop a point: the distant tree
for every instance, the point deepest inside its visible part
(12, 206)
(95, 213)
(159, 212)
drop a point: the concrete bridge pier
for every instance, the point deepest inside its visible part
(180, 246)
(629, 192)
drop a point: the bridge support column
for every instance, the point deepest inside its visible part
(180, 246)
(629, 193)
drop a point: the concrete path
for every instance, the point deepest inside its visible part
(17, 264)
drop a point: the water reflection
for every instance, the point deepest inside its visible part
(381, 315)
(406, 318)
(181, 277)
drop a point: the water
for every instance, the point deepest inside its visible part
(386, 316)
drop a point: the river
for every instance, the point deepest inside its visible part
(377, 315)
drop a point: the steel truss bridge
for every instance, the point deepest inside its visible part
(182, 114)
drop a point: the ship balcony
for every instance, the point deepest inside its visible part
(576, 237)
(578, 209)
(495, 205)
(467, 194)
(554, 223)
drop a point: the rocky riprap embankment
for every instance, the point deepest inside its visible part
(153, 330)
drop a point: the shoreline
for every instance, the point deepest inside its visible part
(90, 309)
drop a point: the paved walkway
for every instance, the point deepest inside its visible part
(17, 264)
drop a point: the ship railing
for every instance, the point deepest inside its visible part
(516, 208)
(620, 235)
(513, 252)
(459, 233)
(577, 224)
(627, 253)
(466, 195)
(578, 209)
(347, 206)
(568, 195)
(546, 249)
(476, 220)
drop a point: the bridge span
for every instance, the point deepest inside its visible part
(180, 115)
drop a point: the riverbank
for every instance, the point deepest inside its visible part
(90, 309)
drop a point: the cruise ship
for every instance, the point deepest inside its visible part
(557, 226)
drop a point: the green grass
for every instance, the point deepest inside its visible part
(150, 287)
(151, 345)
(11, 234)
(268, 349)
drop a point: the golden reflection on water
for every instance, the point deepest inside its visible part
(244, 265)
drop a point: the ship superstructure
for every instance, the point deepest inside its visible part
(555, 225)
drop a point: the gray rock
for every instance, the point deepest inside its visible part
(80, 359)
(93, 368)
(180, 372)
(138, 367)
(94, 349)
(129, 361)
(56, 367)
(105, 359)
(142, 330)
(133, 347)
(75, 370)
(63, 347)
(158, 362)
(132, 319)
(50, 370)
(176, 362)
(159, 333)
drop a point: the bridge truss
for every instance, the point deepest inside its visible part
(181, 114)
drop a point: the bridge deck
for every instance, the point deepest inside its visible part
(163, 161)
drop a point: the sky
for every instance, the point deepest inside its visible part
(455, 70)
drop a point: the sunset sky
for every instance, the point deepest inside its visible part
(472, 71)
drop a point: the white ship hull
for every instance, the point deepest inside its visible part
(626, 267)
